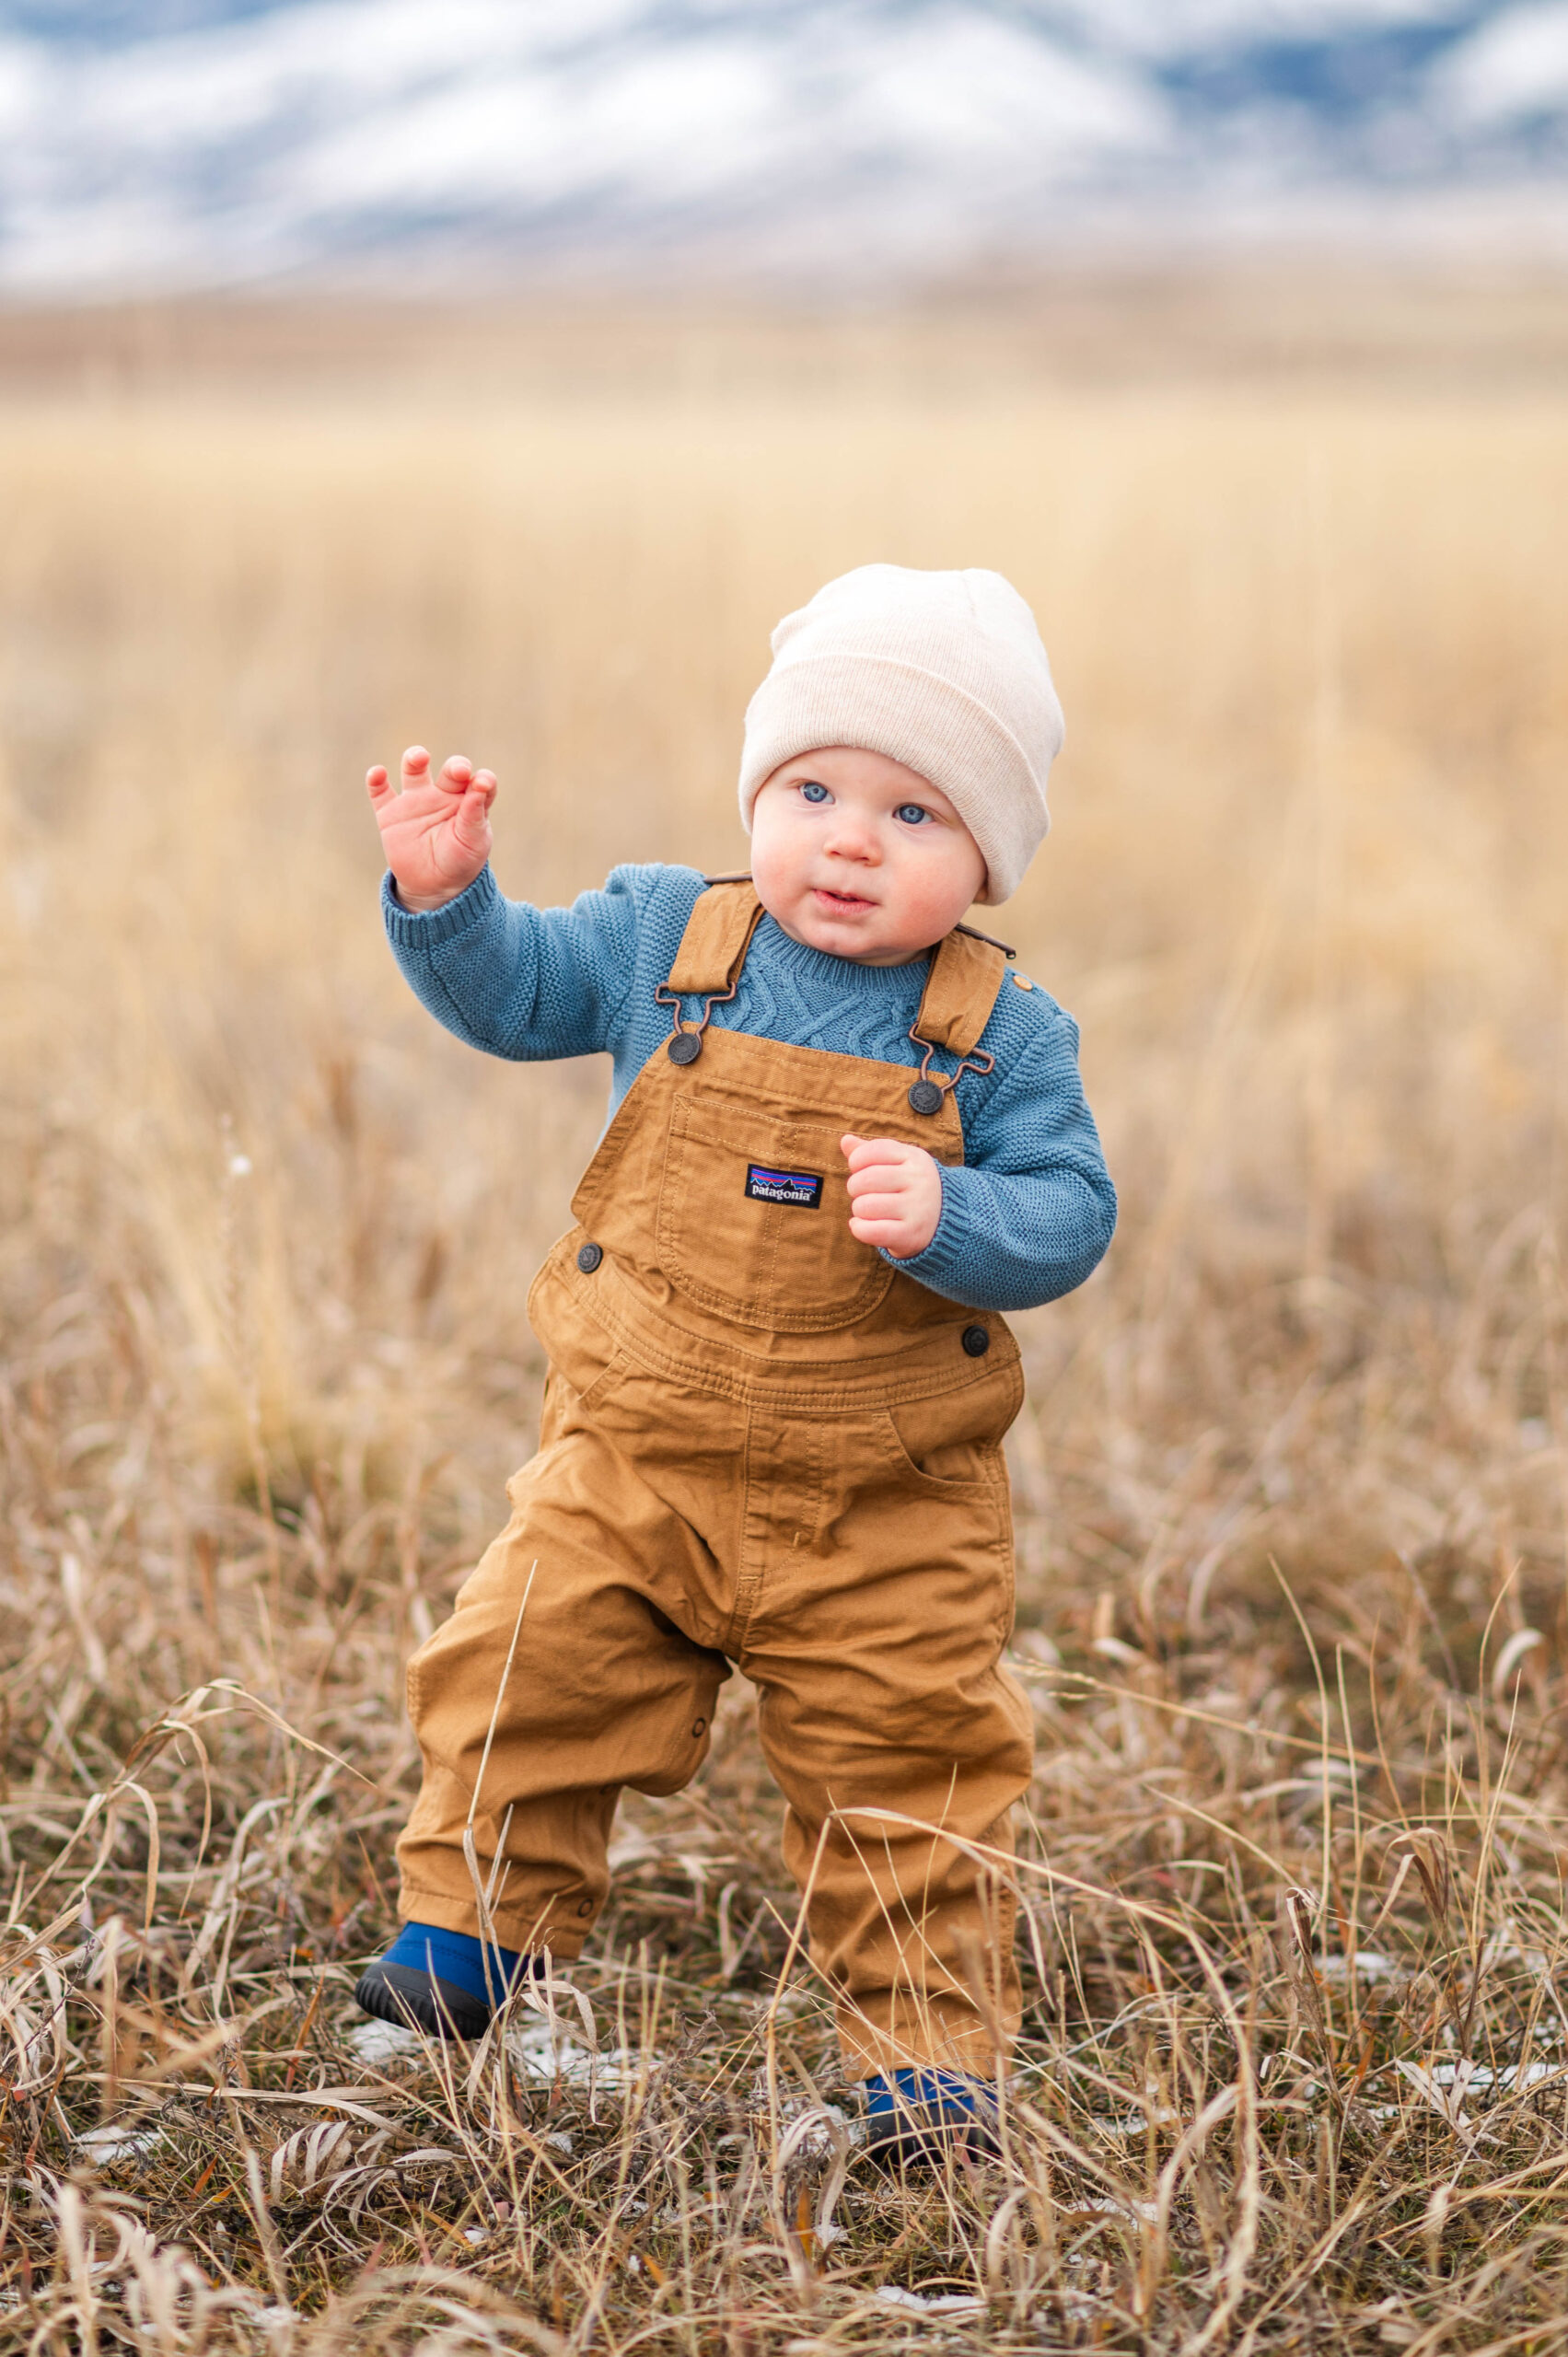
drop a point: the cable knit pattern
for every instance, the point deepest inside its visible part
(1025, 1219)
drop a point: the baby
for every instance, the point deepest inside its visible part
(844, 1139)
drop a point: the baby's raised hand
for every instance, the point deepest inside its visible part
(895, 1194)
(435, 831)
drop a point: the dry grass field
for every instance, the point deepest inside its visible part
(1292, 1484)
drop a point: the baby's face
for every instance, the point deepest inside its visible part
(854, 853)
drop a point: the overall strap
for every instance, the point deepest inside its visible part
(717, 936)
(960, 990)
(967, 971)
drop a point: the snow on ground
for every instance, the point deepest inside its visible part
(169, 142)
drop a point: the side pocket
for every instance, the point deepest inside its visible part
(967, 1524)
(954, 1438)
(1009, 1612)
(569, 1403)
(945, 1467)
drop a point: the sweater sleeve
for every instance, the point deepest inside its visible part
(520, 982)
(1030, 1211)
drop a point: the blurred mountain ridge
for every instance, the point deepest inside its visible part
(165, 143)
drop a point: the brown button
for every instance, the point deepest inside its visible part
(1022, 983)
(589, 1257)
(585, 1907)
(697, 1725)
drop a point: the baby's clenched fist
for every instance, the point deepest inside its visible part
(895, 1194)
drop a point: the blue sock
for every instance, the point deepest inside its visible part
(457, 1956)
(916, 2091)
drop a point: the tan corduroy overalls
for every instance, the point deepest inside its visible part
(760, 1445)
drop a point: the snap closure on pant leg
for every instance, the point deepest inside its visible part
(589, 1257)
(976, 1340)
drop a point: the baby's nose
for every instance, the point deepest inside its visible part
(849, 839)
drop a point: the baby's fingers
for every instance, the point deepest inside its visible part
(871, 1208)
(885, 1235)
(876, 1176)
(857, 1152)
(377, 785)
(415, 766)
(470, 823)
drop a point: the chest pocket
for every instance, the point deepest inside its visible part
(754, 1218)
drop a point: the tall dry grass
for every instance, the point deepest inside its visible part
(1291, 1483)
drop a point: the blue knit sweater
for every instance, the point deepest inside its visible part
(1024, 1220)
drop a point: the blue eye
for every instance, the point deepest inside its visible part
(912, 813)
(811, 792)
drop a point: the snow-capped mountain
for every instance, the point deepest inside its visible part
(147, 143)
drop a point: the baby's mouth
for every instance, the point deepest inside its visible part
(832, 899)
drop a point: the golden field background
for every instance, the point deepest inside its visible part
(1291, 1483)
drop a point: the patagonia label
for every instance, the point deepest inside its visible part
(767, 1186)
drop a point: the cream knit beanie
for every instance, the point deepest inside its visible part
(943, 671)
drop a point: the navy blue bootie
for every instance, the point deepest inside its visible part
(446, 1983)
(915, 2118)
